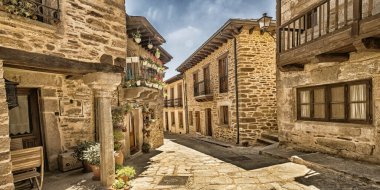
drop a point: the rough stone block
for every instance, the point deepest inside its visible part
(363, 148)
(4, 144)
(6, 179)
(336, 144)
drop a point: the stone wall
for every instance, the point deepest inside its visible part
(256, 79)
(66, 110)
(357, 141)
(6, 178)
(292, 8)
(92, 31)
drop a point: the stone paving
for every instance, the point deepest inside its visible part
(207, 172)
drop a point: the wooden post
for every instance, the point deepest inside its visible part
(103, 86)
(357, 8)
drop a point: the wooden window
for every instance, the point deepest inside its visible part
(191, 118)
(224, 115)
(196, 88)
(172, 118)
(348, 102)
(223, 74)
(180, 119)
(311, 19)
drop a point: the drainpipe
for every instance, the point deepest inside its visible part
(236, 94)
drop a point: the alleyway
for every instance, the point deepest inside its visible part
(210, 166)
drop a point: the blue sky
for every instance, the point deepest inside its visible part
(187, 24)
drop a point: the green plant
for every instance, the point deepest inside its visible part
(117, 116)
(118, 135)
(136, 34)
(145, 148)
(118, 167)
(127, 108)
(92, 154)
(20, 7)
(78, 151)
(117, 146)
(128, 171)
(119, 184)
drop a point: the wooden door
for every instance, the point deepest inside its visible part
(24, 120)
(132, 136)
(208, 122)
(167, 121)
(206, 79)
(197, 121)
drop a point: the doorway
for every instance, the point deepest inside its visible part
(24, 120)
(197, 122)
(208, 122)
(167, 121)
(132, 135)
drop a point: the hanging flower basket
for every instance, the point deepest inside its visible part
(145, 63)
(138, 83)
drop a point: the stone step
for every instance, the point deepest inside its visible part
(273, 137)
(266, 141)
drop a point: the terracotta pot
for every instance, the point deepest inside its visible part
(95, 172)
(86, 167)
(125, 178)
(119, 158)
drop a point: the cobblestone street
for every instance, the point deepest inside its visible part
(225, 168)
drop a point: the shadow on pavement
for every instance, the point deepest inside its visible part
(249, 161)
(141, 163)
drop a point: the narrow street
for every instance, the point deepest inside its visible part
(187, 163)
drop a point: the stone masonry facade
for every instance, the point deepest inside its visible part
(256, 72)
(172, 124)
(88, 31)
(357, 141)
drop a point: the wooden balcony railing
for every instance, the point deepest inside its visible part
(173, 103)
(326, 17)
(43, 11)
(202, 88)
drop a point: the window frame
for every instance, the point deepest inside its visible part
(172, 116)
(328, 99)
(191, 121)
(222, 115)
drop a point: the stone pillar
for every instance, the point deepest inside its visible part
(103, 86)
(6, 178)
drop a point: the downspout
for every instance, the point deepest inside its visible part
(236, 93)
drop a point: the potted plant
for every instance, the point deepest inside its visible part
(118, 136)
(119, 184)
(117, 117)
(78, 154)
(92, 156)
(145, 148)
(137, 36)
(157, 54)
(126, 173)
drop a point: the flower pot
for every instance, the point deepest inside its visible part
(119, 158)
(155, 85)
(150, 46)
(86, 167)
(145, 63)
(160, 87)
(125, 179)
(95, 172)
(138, 83)
(138, 40)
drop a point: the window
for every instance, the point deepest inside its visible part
(224, 120)
(344, 102)
(223, 75)
(180, 118)
(196, 88)
(191, 118)
(172, 117)
(311, 19)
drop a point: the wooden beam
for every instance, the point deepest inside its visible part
(292, 67)
(332, 57)
(53, 64)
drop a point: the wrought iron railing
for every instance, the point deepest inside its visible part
(202, 88)
(173, 103)
(325, 17)
(35, 10)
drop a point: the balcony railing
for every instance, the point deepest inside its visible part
(326, 17)
(202, 88)
(140, 73)
(36, 10)
(173, 103)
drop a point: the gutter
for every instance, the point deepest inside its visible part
(236, 93)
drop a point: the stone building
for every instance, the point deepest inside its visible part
(174, 117)
(142, 89)
(66, 57)
(328, 79)
(237, 54)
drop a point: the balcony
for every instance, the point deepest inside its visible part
(44, 11)
(173, 103)
(319, 34)
(143, 78)
(202, 91)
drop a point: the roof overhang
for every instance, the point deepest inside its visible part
(228, 31)
(174, 79)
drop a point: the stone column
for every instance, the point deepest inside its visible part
(103, 86)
